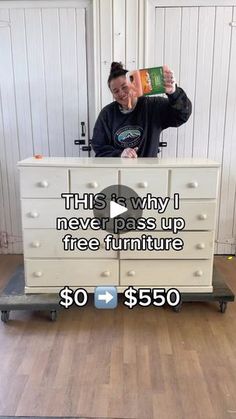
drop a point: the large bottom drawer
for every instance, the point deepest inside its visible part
(64, 272)
(169, 273)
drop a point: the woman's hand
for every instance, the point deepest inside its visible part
(169, 80)
(130, 153)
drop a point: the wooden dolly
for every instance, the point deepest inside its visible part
(14, 298)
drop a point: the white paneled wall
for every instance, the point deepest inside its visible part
(120, 30)
(49, 83)
(44, 67)
(198, 40)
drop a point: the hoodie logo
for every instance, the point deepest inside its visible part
(128, 136)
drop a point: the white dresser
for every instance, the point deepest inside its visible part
(48, 267)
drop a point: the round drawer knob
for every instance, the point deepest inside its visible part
(143, 184)
(34, 214)
(106, 274)
(93, 185)
(202, 216)
(198, 273)
(43, 184)
(200, 246)
(131, 273)
(38, 274)
(35, 244)
(193, 185)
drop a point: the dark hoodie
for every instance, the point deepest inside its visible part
(114, 131)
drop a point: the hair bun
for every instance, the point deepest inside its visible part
(115, 66)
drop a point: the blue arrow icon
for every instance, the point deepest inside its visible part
(105, 297)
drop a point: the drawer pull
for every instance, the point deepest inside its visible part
(33, 214)
(93, 185)
(106, 274)
(131, 273)
(143, 184)
(35, 244)
(43, 184)
(200, 246)
(198, 273)
(38, 274)
(193, 185)
(202, 216)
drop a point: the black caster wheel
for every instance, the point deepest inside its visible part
(223, 306)
(53, 315)
(177, 308)
(5, 316)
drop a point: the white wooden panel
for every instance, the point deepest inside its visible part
(159, 36)
(227, 228)
(69, 79)
(188, 57)
(171, 58)
(131, 34)
(191, 3)
(82, 71)
(106, 48)
(10, 149)
(202, 101)
(42, 3)
(19, 56)
(141, 33)
(206, 38)
(91, 63)
(4, 195)
(149, 35)
(52, 62)
(39, 73)
(119, 16)
(219, 91)
(5, 224)
(159, 46)
(34, 37)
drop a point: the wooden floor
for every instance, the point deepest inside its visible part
(142, 363)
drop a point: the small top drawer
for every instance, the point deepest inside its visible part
(89, 180)
(143, 181)
(43, 182)
(194, 183)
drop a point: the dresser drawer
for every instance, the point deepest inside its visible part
(92, 180)
(198, 215)
(42, 213)
(143, 181)
(47, 243)
(171, 273)
(62, 272)
(197, 245)
(43, 182)
(194, 183)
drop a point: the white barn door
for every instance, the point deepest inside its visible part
(199, 44)
(45, 55)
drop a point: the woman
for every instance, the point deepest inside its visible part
(130, 126)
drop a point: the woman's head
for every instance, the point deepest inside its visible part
(118, 84)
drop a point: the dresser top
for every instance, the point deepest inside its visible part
(116, 162)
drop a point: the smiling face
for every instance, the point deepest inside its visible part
(120, 90)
